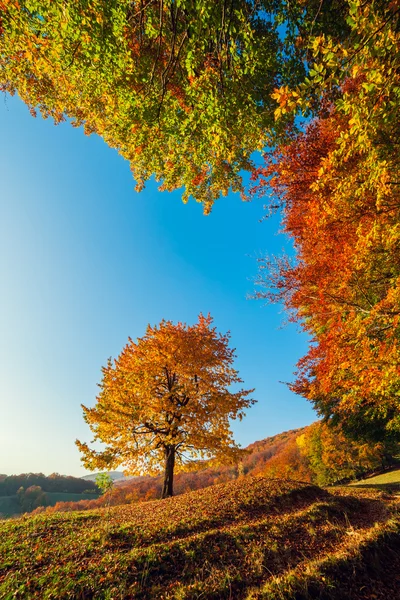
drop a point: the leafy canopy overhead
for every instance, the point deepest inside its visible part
(166, 401)
(182, 89)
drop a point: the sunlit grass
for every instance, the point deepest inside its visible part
(383, 479)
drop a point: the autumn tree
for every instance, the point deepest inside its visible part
(31, 498)
(166, 400)
(288, 463)
(337, 184)
(181, 89)
(332, 456)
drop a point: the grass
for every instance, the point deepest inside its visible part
(55, 497)
(255, 538)
(389, 481)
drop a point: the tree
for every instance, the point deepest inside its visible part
(333, 456)
(344, 283)
(31, 498)
(338, 185)
(104, 482)
(289, 463)
(181, 89)
(166, 400)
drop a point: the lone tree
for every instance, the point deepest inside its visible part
(165, 400)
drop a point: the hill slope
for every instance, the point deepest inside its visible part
(251, 539)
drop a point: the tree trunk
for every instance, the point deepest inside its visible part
(169, 472)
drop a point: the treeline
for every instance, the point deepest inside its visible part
(9, 485)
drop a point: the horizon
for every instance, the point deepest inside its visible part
(121, 471)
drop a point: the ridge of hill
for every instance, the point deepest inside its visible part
(9, 484)
(315, 453)
(251, 539)
(309, 454)
(274, 442)
(260, 451)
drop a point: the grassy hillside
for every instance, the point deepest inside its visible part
(251, 539)
(389, 481)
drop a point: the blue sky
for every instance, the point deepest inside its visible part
(85, 262)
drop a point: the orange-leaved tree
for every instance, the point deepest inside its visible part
(166, 401)
(337, 183)
(344, 283)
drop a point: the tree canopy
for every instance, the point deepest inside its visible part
(182, 89)
(165, 402)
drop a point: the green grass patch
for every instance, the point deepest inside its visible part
(55, 497)
(385, 481)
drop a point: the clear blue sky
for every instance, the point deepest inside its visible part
(85, 262)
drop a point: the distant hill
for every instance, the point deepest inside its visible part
(274, 442)
(295, 454)
(10, 484)
(29, 491)
(60, 489)
(252, 538)
(10, 506)
(260, 452)
(263, 450)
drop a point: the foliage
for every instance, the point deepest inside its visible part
(165, 400)
(316, 454)
(258, 460)
(183, 90)
(333, 457)
(230, 540)
(289, 462)
(104, 482)
(138, 489)
(31, 498)
(338, 185)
